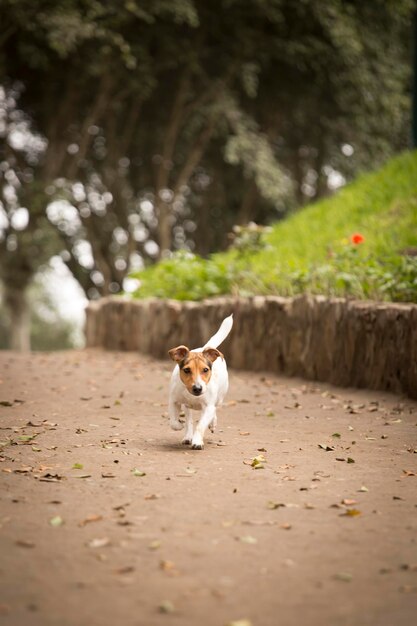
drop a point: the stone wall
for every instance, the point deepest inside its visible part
(344, 342)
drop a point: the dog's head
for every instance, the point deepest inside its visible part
(195, 367)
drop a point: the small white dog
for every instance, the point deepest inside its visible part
(199, 381)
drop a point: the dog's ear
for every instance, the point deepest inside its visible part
(179, 353)
(212, 354)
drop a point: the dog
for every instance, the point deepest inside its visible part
(199, 381)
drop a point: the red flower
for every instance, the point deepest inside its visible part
(357, 238)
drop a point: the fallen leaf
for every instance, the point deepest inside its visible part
(350, 460)
(326, 448)
(22, 543)
(240, 622)
(351, 513)
(121, 507)
(166, 607)
(244, 433)
(169, 567)
(99, 542)
(336, 435)
(152, 496)
(227, 523)
(348, 501)
(344, 577)
(257, 462)
(408, 473)
(247, 539)
(26, 438)
(56, 521)
(275, 505)
(257, 522)
(108, 475)
(89, 519)
(128, 569)
(137, 472)
(50, 478)
(78, 466)
(23, 470)
(286, 526)
(407, 589)
(363, 489)
(154, 545)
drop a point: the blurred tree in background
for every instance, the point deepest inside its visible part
(130, 129)
(47, 328)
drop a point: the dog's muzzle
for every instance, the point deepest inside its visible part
(197, 390)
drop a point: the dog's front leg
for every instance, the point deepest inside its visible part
(213, 424)
(206, 418)
(174, 413)
(188, 427)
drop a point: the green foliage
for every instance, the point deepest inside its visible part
(185, 276)
(250, 148)
(152, 100)
(314, 250)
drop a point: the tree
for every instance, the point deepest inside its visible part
(158, 119)
(27, 240)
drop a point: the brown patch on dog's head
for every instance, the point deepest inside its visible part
(195, 372)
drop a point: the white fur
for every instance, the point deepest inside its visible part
(212, 396)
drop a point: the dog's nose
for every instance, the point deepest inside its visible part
(197, 389)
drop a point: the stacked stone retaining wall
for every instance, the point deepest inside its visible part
(344, 342)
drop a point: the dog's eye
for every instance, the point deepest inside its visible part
(205, 370)
(186, 370)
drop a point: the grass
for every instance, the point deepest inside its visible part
(312, 251)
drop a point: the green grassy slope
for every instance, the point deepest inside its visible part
(312, 250)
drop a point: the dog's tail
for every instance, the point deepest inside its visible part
(220, 336)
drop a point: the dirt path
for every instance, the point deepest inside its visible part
(106, 520)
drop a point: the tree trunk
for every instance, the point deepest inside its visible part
(19, 315)
(164, 227)
(246, 210)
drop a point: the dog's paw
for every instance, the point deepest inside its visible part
(176, 425)
(186, 442)
(197, 442)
